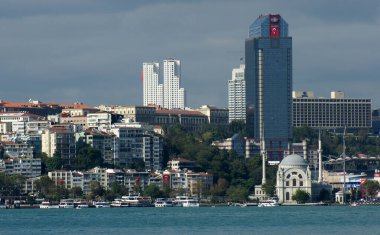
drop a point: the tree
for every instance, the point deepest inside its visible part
(269, 188)
(96, 189)
(50, 163)
(76, 192)
(153, 191)
(88, 158)
(301, 196)
(324, 195)
(11, 185)
(370, 188)
(237, 193)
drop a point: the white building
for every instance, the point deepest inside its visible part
(174, 96)
(153, 90)
(100, 120)
(27, 167)
(236, 95)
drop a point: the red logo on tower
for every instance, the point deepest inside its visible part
(274, 26)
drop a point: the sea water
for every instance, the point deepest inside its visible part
(203, 220)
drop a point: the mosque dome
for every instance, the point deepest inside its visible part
(293, 160)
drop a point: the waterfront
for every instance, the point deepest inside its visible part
(203, 220)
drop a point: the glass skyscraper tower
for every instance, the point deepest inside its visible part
(268, 73)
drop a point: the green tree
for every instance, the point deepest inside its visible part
(11, 185)
(301, 196)
(87, 158)
(324, 195)
(96, 190)
(370, 188)
(237, 193)
(76, 192)
(269, 187)
(153, 191)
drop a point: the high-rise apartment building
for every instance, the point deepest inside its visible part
(174, 96)
(153, 90)
(236, 95)
(168, 95)
(268, 75)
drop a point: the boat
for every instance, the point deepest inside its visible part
(185, 201)
(81, 204)
(48, 205)
(354, 204)
(163, 203)
(269, 203)
(137, 201)
(190, 203)
(119, 203)
(66, 204)
(3, 206)
(102, 204)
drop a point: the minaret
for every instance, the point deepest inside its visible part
(320, 178)
(263, 155)
(304, 146)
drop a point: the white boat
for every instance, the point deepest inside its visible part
(163, 203)
(137, 201)
(119, 203)
(48, 205)
(190, 203)
(269, 203)
(81, 204)
(185, 201)
(102, 204)
(3, 206)
(66, 204)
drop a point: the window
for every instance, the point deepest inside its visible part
(294, 182)
(287, 196)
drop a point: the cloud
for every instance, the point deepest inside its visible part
(92, 50)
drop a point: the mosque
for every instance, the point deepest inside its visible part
(294, 173)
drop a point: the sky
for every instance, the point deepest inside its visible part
(92, 51)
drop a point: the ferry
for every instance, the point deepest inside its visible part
(119, 203)
(137, 201)
(269, 203)
(102, 204)
(48, 205)
(81, 204)
(66, 204)
(163, 203)
(185, 201)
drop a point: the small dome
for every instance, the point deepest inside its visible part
(293, 160)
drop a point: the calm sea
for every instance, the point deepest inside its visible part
(203, 220)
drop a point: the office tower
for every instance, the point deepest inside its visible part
(268, 75)
(174, 96)
(236, 95)
(153, 91)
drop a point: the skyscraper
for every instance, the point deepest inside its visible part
(153, 91)
(268, 73)
(236, 95)
(174, 96)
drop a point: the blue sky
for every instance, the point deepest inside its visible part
(92, 50)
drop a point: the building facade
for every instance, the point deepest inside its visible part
(174, 95)
(153, 90)
(268, 75)
(236, 95)
(331, 113)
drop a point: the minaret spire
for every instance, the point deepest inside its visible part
(320, 177)
(263, 155)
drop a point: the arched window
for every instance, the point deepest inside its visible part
(300, 176)
(288, 176)
(294, 182)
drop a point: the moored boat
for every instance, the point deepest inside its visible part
(269, 203)
(48, 205)
(66, 204)
(102, 204)
(163, 203)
